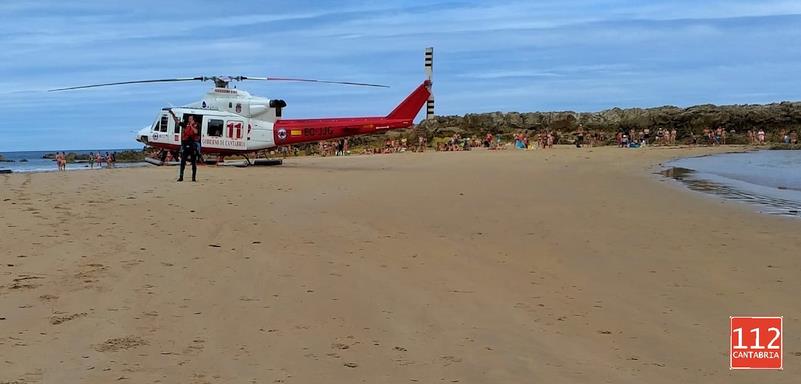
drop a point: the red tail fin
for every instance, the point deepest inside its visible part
(409, 108)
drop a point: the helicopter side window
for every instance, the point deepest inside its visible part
(164, 122)
(215, 128)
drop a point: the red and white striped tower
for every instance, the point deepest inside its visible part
(429, 63)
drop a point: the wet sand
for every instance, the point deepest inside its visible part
(577, 266)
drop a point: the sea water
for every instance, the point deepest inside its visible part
(769, 180)
(33, 161)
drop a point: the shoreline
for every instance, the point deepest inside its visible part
(736, 181)
(82, 167)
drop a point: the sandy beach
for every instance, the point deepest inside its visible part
(549, 266)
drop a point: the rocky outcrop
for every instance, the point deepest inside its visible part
(739, 118)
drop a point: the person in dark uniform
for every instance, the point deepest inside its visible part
(189, 135)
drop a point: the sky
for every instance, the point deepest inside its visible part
(489, 56)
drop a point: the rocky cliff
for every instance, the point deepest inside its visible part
(770, 117)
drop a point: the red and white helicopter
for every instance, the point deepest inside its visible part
(233, 122)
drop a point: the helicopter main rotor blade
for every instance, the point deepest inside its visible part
(312, 81)
(131, 82)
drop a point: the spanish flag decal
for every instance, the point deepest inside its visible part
(296, 132)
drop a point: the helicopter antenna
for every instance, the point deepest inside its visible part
(219, 82)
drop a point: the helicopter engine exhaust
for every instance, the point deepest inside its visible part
(278, 105)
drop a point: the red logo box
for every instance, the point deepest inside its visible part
(755, 342)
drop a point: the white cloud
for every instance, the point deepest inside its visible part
(512, 55)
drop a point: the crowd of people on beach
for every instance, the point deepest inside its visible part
(756, 138)
(643, 137)
(713, 137)
(97, 158)
(61, 161)
(790, 137)
(456, 143)
(631, 138)
(397, 146)
(93, 158)
(339, 147)
(664, 137)
(522, 139)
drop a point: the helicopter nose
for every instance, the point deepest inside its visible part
(142, 135)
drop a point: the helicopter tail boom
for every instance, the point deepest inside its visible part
(297, 131)
(409, 108)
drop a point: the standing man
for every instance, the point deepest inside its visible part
(188, 147)
(580, 136)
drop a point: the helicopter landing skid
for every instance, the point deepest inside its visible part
(267, 162)
(244, 164)
(255, 163)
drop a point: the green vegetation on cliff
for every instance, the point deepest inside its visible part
(739, 118)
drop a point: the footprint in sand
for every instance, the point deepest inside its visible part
(24, 282)
(129, 264)
(448, 360)
(56, 320)
(120, 343)
(89, 273)
(195, 348)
